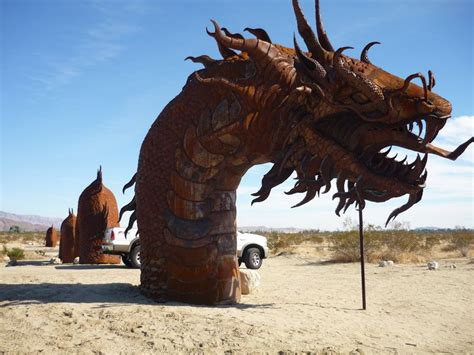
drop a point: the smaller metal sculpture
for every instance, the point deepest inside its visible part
(66, 245)
(97, 210)
(51, 237)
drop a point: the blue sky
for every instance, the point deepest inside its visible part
(82, 81)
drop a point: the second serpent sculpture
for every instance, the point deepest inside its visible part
(321, 114)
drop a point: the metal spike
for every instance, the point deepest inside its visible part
(418, 168)
(420, 127)
(413, 199)
(133, 218)
(298, 188)
(310, 194)
(349, 202)
(326, 172)
(387, 151)
(130, 183)
(131, 206)
(364, 55)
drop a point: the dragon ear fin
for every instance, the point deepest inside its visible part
(260, 33)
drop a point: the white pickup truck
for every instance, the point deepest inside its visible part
(251, 248)
(128, 246)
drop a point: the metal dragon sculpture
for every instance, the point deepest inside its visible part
(320, 113)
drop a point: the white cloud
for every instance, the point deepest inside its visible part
(101, 42)
(456, 131)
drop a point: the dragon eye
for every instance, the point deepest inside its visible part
(360, 98)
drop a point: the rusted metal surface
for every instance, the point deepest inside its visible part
(320, 113)
(52, 237)
(97, 210)
(68, 233)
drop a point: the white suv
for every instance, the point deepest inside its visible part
(251, 248)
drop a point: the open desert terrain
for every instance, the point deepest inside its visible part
(303, 305)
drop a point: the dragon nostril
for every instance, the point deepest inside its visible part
(425, 106)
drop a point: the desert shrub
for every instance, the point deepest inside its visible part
(278, 242)
(4, 250)
(397, 243)
(403, 241)
(460, 240)
(16, 254)
(432, 240)
(346, 248)
(22, 237)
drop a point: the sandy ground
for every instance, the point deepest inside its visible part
(302, 305)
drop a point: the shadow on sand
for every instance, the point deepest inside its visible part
(106, 294)
(32, 263)
(121, 293)
(92, 267)
(69, 266)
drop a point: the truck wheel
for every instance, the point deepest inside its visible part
(126, 260)
(135, 256)
(252, 258)
(240, 261)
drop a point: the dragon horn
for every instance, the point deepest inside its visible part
(322, 35)
(318, 52)
(316, 70)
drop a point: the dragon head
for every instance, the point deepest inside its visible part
(341, 114)
(354, 110)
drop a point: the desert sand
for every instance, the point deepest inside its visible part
(302, 305)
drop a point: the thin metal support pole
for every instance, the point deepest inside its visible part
(362, 257)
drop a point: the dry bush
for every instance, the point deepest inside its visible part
(22, 237)
(403, 246)
(460, 240)
(346, 246)
(285, 242)
(16, 254)
(398, 244)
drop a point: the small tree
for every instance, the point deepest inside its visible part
(14, 229)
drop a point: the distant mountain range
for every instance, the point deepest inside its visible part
(269, 229)
(27, 223)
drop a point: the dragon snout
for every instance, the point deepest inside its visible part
(434, 105)
(443, 109)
